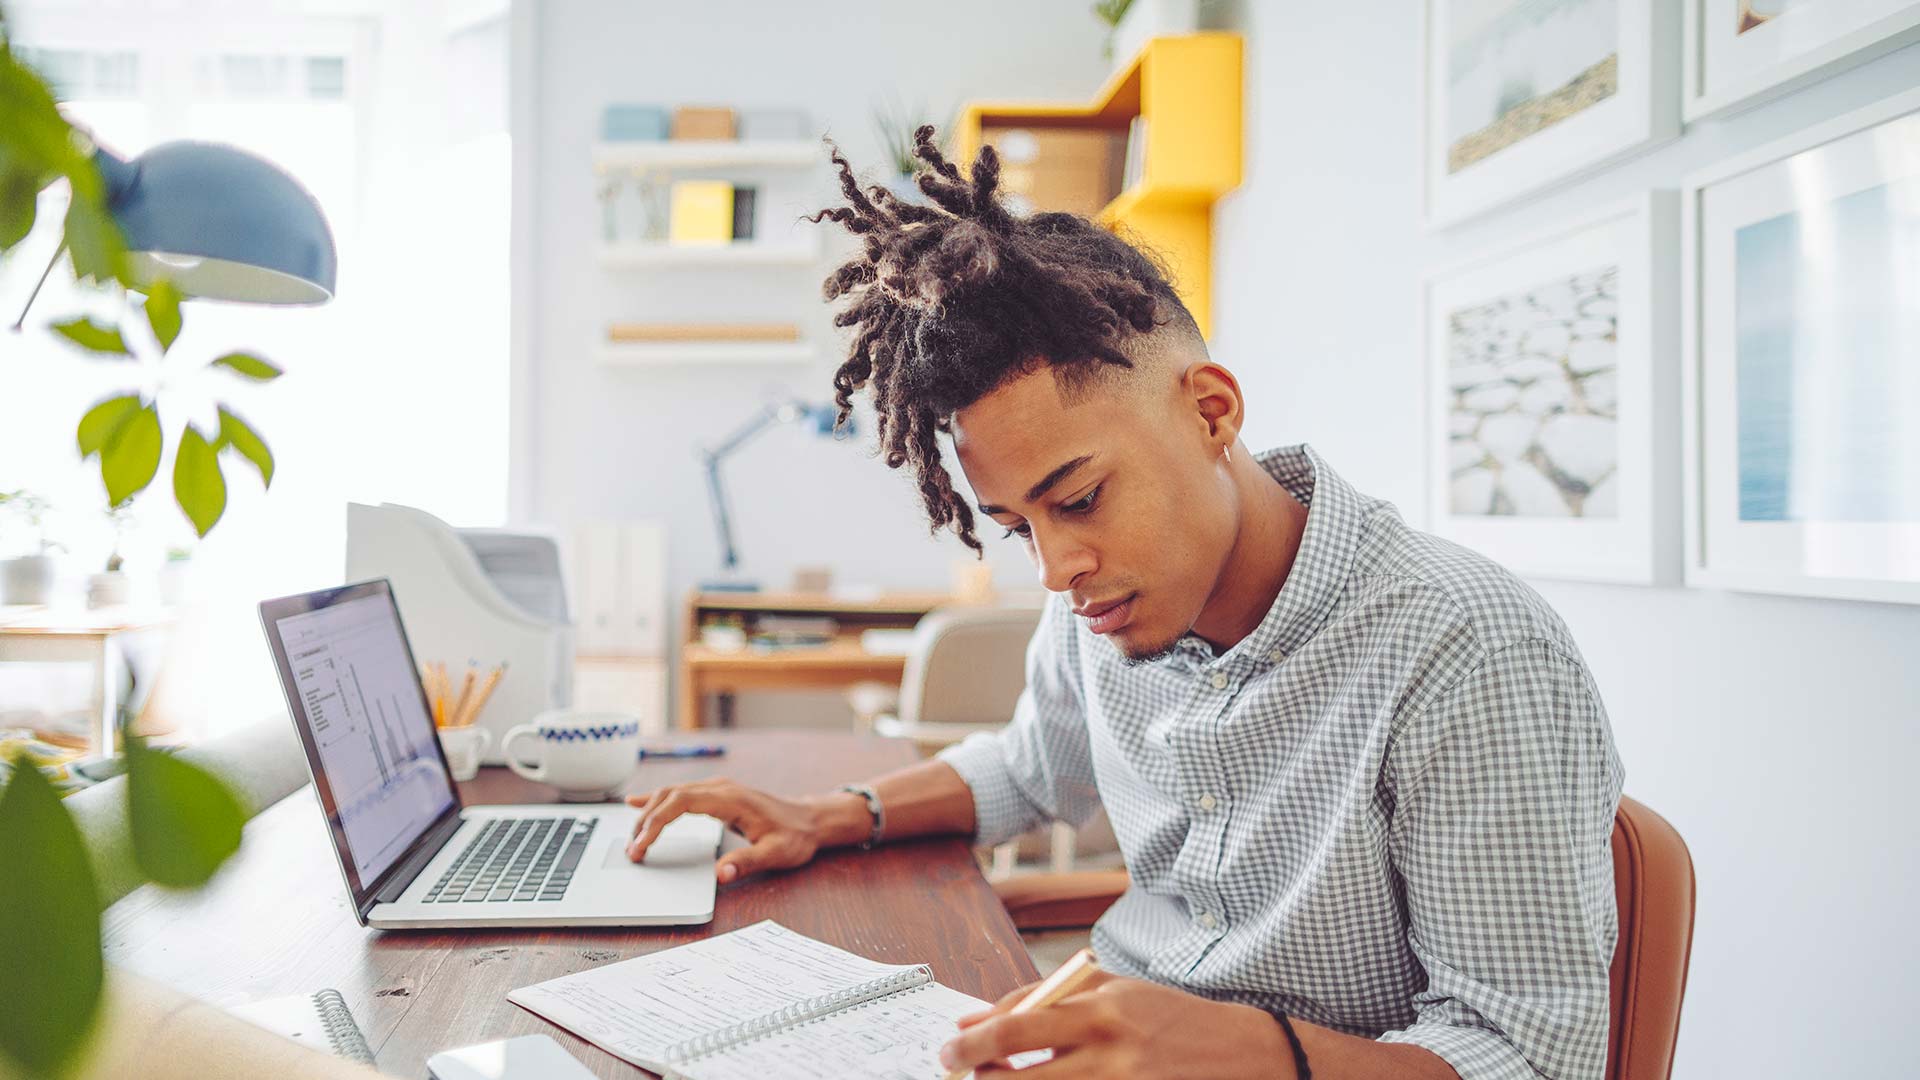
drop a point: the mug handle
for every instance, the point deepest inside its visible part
(536, 773)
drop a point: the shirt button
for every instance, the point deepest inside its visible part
(1208, 921)
(1276, 656)
(1208, 802)
(1219, 680)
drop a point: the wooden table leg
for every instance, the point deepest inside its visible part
(691, 699)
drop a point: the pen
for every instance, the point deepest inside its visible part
(1056, 986)
(707, 750)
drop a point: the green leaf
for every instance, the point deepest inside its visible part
(50, 966)
(93, 239)
(238, 434)
(19, 202)
(247, 364)
(183, 820)
(162, 307)
(197, 484)
(103, 420)
(131, 455)
(88, 334)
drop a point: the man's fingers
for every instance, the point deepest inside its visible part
(671, 805)
(752, 859)
(1068, 1023)
(725, 804)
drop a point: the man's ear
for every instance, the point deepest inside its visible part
(1216, 400)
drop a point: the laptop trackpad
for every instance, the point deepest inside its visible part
(689, 840)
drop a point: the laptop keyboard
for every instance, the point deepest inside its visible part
(515, 859)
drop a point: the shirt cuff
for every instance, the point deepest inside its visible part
(1475, 1053)
(1000, 811)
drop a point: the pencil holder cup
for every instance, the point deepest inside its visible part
(584, 754)
(464, 747)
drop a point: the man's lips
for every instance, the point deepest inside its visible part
(1107, 616)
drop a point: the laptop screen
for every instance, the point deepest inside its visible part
(354, 694)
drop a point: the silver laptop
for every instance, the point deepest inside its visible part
(411, 854)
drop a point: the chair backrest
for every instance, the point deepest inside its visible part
(1653, 886)
(967, 666)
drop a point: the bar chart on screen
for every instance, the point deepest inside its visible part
(370, 725)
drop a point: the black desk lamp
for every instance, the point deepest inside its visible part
(785, 411)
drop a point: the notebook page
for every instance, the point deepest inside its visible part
(897, 1037)
(637, 1008)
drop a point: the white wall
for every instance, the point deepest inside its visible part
(593, 441)
(1774, 733)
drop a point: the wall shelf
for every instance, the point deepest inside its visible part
(697, 353)
(1188, 87)
(738, 253)
(708, 154)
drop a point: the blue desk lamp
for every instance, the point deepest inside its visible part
(819, 418)
(220, 223)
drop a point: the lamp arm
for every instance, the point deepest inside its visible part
(730, 558)
(35, 294)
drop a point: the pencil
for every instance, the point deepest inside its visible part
(1062, 982)
(480, 698)
(459, 706)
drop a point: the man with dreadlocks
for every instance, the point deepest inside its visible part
(1361, 777)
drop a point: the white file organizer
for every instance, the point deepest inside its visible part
(455, 611)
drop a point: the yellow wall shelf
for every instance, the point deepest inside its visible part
(1188, 88)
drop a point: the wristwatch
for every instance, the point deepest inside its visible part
(874, 809)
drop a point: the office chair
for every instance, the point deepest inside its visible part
(964, 673)
(1653, 888)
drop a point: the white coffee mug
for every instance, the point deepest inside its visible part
(584, 754)
(464, 746)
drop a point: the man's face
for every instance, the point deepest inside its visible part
(1120, 496)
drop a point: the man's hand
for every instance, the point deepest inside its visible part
(781, 833)
(1125, 1027)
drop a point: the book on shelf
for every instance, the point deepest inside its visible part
(743, 200)
(701, 213)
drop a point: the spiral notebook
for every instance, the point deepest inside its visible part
(320, 1020)
(760, 1001)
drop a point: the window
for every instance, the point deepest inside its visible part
(394, 392)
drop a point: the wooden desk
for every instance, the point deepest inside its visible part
(276, 920)
(844, 662)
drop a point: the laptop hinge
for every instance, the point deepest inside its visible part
(428, 846)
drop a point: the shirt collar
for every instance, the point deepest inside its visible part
(1314, 585)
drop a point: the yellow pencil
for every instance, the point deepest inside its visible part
(486, 691)
(459, 707)
(1056, 986)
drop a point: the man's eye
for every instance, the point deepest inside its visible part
(1083, 504)
(1022, 531)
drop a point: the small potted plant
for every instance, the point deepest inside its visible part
(895, 125)
(28, 579)
(111, 587)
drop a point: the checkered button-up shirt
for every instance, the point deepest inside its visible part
(1386, 811)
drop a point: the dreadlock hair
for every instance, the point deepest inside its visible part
(954, 298)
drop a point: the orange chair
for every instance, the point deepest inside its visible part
(1652, 885)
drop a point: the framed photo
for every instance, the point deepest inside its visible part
(1741, 53)
(1553, 399)
(1801, 298)
(1521, 94)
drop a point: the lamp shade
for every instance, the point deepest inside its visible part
(220, 223)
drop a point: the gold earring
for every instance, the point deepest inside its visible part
(1227, 452)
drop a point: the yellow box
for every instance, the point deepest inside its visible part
(702, 212)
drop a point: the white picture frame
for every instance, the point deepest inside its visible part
(1634, 536)
(1728, 69)
(1751, 538)
(1466, 80)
